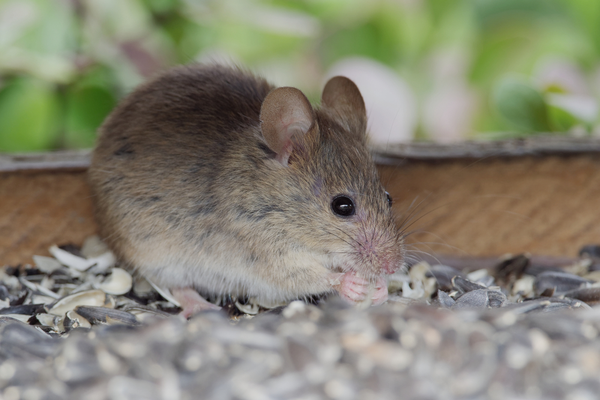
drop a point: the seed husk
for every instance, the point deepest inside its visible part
(74, 320)
(103, 315)
(561, 282)
(87, 298)
(118, 282)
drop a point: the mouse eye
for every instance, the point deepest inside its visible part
(389, 199)
(342, 205)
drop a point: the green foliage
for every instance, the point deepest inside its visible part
(65, 64)
(561, 120)
(86, 104)
(86, 108)
(522, 106)
(28, 116)
(379, 37)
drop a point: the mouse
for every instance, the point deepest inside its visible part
(210, 181)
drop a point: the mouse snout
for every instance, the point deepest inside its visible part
(392, 260)
(391, 267)
(379, 254)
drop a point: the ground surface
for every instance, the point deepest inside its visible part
(516, 330)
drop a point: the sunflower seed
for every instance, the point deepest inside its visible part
(74, 320)
(589, 295)
(38, 288)
(118, 282)
(46, 264)
(443, 275)
(26, 309)
(480, 298)
(444, 300)
(93, 246)
(103, 315)
(465, 285)
(87, 298)
(561, 282)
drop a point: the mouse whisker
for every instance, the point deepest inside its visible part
(442, 243)
(339, 237)
(411, 212)
(414, 220)
(416, 259)
(352, 240)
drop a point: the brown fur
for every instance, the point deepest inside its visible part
(188, 191)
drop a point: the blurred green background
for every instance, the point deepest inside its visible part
(447, 69)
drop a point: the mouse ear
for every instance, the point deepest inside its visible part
(343, 97)
(285, 115)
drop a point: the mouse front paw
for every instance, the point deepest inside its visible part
(381, 291)
(356, 289)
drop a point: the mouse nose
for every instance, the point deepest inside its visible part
(391, 267)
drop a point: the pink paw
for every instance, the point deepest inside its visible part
(191, 302)
(381, 292)
(356, 289)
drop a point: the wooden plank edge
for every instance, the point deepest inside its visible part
(56, 160)
(479, 149)
(384, 155)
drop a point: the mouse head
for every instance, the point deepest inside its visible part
(339, 206)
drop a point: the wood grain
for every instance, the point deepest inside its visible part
(544, 205)
(41, 208)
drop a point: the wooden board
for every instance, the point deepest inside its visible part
(41, 208)
(538, 196)
(542, 205)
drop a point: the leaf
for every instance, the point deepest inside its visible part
(86, 108)
(160, 6)
(28, 116)
(489, 11)
(561, 119)
(52, 30)
(521, 105)
(378, 37)
(585, 15)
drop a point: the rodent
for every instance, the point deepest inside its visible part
(208, 179)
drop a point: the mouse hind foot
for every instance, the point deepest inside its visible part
(191, 302)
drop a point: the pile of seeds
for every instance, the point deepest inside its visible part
(75, 326)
